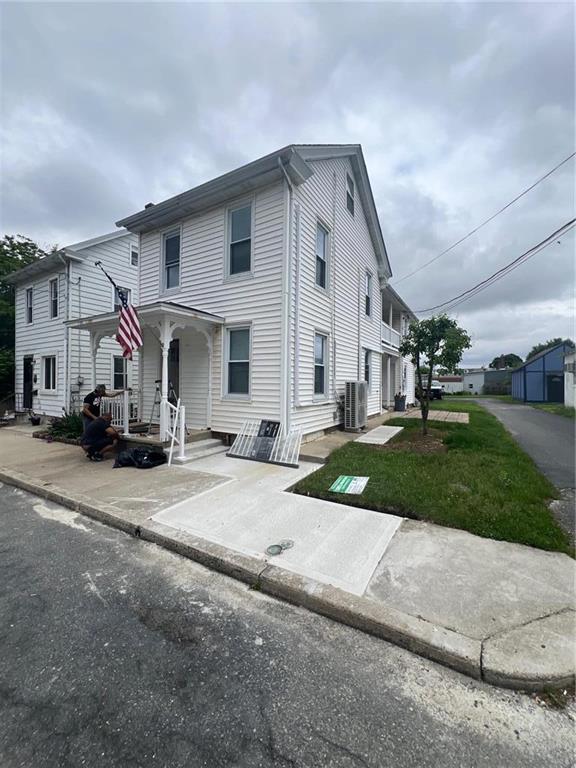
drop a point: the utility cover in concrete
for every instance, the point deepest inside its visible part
(379, 435)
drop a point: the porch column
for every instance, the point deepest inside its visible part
(94, 344)
(165, 338)
(388, 398)
(391, 314)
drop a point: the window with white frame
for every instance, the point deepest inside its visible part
(29, 303)
(238, 361)
(50, 373)
(368, 294)
(367, 370)
(54, 297)
(350, 194)
(171, 250)
(320, 346)
(240, 240)
(127, 292)
(321, 255)
(134, 255)
(120, 372)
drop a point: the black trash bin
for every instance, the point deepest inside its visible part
(399, 402)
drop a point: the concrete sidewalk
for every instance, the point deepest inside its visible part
(496, 611)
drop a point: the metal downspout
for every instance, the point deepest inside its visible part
(285, 367)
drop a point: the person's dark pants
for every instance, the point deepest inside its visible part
(97, 445)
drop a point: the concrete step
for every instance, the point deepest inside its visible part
(201, 449)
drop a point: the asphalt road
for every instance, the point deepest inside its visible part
(117, 653)
(547, 438)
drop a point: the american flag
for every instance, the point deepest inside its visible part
(129, 333)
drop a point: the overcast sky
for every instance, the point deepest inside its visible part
(458, 108)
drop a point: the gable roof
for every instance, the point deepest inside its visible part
(56, 260)
(564, 344)
(294, 161)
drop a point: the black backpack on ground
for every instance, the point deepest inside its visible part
(141, 458)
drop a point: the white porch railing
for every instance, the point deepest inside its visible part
(123, 408)
(176, 429)
(390, 335)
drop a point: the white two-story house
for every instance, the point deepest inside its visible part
(263, 291)
(54, 362)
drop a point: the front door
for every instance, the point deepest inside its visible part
(28, 382)
(174, 371)
(555, 386)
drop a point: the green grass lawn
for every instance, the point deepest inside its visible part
(557, 408)
(473, 476)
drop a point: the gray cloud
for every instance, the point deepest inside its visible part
(458, 107)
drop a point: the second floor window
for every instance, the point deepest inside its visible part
(321, 255)
(127, 292)
(171, 260)
(350, 194)
(368, 294)
(54, 297)
(240, 239)
(134, 255)
(29, 301)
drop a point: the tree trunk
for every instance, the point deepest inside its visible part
(425, 407)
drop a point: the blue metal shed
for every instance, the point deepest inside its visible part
(541, 379)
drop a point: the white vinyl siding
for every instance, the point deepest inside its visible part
(53, 298)
(341, 312)
(49, 373)
(205, 285)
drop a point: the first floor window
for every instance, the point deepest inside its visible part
(171, 260)
(127, 292)
(238, 362)
(29, 299)
(240, 238)
(319, 364)
(367, 366)
(50, 373)
(54, 297)
(120, 377)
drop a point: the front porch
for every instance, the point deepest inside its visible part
(175, 366)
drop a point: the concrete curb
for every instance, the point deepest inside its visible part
(452, 649)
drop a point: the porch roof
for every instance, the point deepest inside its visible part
(106, 323)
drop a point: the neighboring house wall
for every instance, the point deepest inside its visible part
(570, 380)
(42, 338)
(473, 382)
(89, 293)
(254, 300)
(337, 312)
(450, 386)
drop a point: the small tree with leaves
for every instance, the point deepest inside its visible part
(438, 341)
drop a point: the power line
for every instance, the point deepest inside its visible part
(502, 272)
(473, 231)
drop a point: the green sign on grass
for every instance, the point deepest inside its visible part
(349, 484)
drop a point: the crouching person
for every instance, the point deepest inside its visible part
(99, 437)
